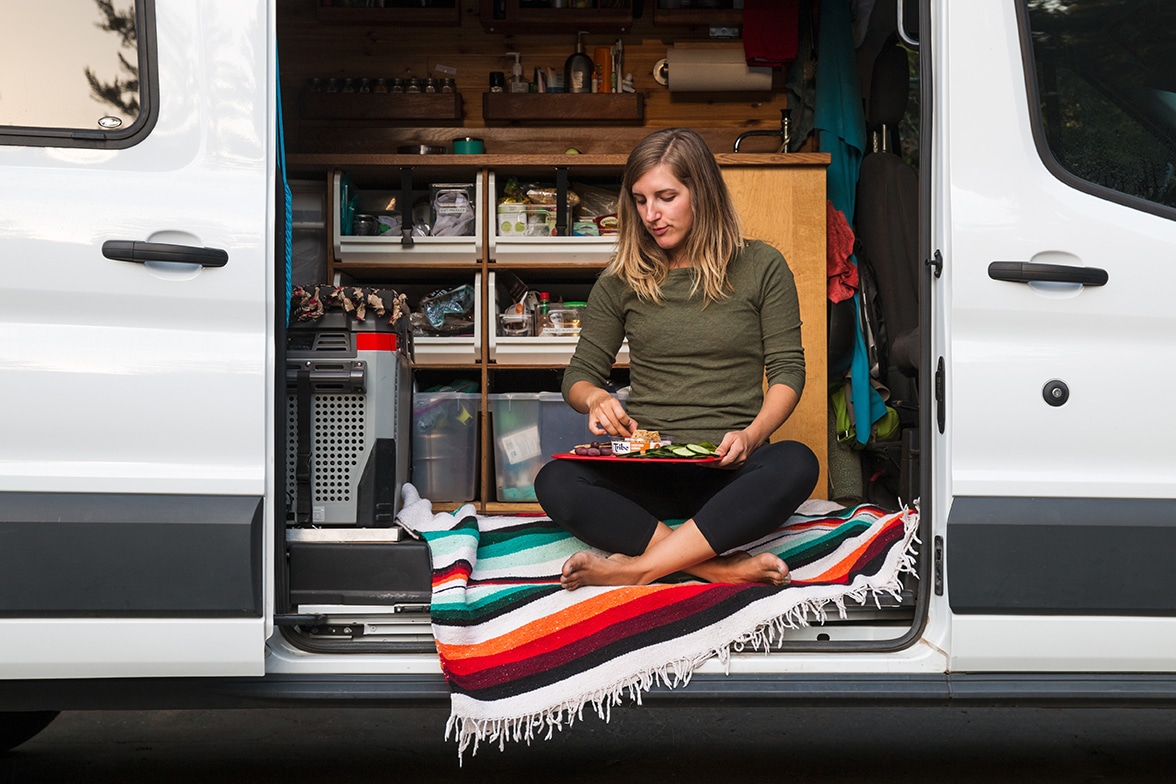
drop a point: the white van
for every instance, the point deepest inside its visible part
(144, 545)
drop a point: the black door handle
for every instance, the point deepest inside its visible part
(1027, 271)
(140, 252)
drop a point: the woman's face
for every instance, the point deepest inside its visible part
(663, 203)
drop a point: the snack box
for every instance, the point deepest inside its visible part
(625, 446)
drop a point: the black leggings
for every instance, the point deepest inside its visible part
(616, 507)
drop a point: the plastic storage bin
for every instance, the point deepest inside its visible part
(529, 427)
(389, 249)
(444, 350)
(445, 445)
(511, 245)
(530, 350)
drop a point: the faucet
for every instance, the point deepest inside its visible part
(785, 132)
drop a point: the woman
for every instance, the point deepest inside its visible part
(706, 313)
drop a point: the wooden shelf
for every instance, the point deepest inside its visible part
(697, 17)
(510, 16)
(442, 13)
(564, 108)
(438, 108)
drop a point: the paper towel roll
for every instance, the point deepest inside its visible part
(712, 70)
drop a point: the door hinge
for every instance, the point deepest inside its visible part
(937, 566)
(940, 397)
(935, 263)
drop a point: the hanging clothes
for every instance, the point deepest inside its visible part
(841, 131)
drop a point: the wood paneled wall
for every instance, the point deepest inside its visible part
(309, 48)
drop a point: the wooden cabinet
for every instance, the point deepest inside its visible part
(781, 199)
(389, 12)
(543, 16)
(684, 14)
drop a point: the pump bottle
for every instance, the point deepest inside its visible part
(517, 83)
(578, 69)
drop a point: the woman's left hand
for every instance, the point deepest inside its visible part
(735, 448)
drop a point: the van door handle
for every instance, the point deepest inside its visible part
(1029, 271)
(140, 252)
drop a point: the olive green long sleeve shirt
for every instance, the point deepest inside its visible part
(697, 373)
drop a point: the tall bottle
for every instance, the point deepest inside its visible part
(578, 69)
(543, 324)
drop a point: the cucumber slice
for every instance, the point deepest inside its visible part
(700, 449)
(682, 451)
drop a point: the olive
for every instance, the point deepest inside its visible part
(581, 451)
(594, 451)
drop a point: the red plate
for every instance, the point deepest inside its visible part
(624, 459)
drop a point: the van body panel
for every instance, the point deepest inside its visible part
(1030, 556)
(142, 555)
(1023, 539)
(130, 383)
(130, 647)
(1078, 644)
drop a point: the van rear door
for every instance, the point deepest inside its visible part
(135, 233)
(1055, 148)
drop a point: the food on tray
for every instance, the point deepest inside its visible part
(595, 449)
(684, 452)
(665, 450)
(639, 443)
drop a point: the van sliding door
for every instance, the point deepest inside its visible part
(1056, 217)
(135, 360)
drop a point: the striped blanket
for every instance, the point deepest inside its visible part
(523, 657)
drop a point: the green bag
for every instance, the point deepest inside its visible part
(885, 429)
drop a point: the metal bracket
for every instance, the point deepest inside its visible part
(935, 263)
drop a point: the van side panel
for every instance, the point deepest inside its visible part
(1062, 556)
(137, 555)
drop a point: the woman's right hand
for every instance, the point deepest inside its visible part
(606, 415)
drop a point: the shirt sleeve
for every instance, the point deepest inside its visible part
(602, 330)
(780, 325)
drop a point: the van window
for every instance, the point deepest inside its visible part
(72, 69)
(1106, 86)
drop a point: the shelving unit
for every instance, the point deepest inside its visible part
(564, 108)
(780, 198)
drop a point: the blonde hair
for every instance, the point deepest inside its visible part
(715, 234)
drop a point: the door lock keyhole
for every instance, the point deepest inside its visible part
(1055, 392)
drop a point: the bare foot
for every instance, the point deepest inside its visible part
(743, 567)
(584, 568)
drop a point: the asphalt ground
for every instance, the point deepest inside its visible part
(639, 744)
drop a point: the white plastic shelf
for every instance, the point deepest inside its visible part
(387, 248)
(510, 350)
(456, 350)
(547, 250)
